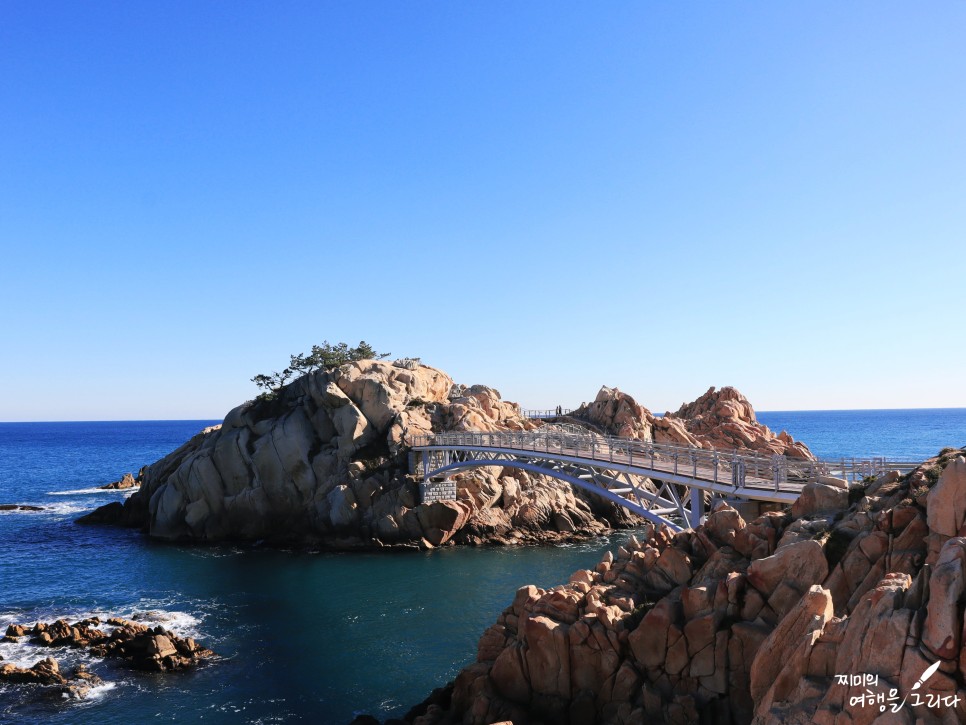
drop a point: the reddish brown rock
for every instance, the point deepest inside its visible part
(946, 503)
(802, 564)
(809, 615)
(818, 498)
(725, 419)
(722, 419)
(723, 523)
(127, 481)
(45, 672)
(618, 414)
(942, 629)
(547, 656)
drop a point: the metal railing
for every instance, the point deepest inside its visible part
(541, 414)
(740, 470)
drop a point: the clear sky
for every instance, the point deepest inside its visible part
(543, 197)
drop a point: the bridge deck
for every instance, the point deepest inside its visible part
(607, 463)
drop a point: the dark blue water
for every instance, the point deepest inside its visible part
(305, 637)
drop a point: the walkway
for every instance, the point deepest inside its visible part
(617, 469)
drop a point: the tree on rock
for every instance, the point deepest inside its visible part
(322, 357)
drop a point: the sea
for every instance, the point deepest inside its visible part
(300, 636)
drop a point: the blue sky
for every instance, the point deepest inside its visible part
(541, 197)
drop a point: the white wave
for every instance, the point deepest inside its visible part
(98, 691)
(65, 508)
(182, 624)
(24, 654)
(58, 508)
(88, 491)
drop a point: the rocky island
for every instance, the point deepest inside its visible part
(324, 463)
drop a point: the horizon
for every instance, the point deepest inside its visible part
(540, 196)
(221, 418)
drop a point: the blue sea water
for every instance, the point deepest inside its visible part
(302, 637)
(907, 435)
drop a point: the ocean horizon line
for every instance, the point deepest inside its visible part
(217, 419)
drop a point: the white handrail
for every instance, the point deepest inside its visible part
(698, 463)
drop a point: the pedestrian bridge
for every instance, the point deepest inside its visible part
(664, 483)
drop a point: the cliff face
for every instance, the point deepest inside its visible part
(722, 419)
(784, 619)
(325, 463)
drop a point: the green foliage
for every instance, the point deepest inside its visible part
(635, 617)
(322, 357)
(856, 493)
(836, 542)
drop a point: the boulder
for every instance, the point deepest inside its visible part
(946, 502)
(809, 615)
(126, 481)
(819, 498)
(801, 565)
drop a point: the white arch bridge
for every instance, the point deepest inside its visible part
(616, 469)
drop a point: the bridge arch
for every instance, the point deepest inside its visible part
(614, 468)
(594, 488)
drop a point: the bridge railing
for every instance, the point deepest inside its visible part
(541, 414)
(717, 466)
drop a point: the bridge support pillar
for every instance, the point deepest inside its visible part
(697, 507)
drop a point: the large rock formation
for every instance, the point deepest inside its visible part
(325, 462)
(722, 419)
(791, 618)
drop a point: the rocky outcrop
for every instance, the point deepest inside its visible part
(796, 617)
(47, 673)
(127, 481)
(325, 463)
(19, 507)
(725, 419)
(722, 419)
(136, 645)
(618, 414)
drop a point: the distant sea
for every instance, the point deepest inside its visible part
(303, 637)
(908, 435)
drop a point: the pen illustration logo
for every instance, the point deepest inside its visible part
(930, 671)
